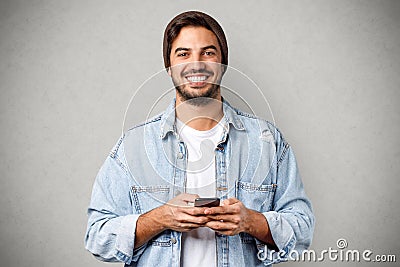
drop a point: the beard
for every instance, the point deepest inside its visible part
(197, 96)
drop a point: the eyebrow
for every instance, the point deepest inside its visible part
(188, 49)
(181, 49)
(209, 47)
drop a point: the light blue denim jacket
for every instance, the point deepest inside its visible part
(146, 168)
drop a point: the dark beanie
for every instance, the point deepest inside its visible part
(194, 19)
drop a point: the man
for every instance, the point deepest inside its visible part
(141, 212)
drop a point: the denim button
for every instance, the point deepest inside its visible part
(173, 240)
(180, 155)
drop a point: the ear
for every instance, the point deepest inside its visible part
(223, 69)
(169, 71)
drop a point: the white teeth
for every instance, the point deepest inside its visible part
(196, 78)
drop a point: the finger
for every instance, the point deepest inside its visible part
(221, 226)
(224, 218)
(186, 218)
(177, 203)
(216, 210)
(182, 200)
(230, 201)
(186, 227)
(188, 197)
(226, 209)
(194, 211)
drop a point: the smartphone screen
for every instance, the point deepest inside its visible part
(206, 202)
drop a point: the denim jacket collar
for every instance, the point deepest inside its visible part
(168, 118)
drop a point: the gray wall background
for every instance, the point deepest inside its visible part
(330, 70)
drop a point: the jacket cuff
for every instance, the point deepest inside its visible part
(125, 241)
(283, 236)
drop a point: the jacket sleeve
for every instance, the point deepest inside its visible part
(110, 234)
(291, 220)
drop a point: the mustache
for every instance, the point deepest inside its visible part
(198, 71)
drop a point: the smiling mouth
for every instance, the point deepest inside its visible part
(196, 80)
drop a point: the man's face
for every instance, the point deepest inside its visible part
(195, 64)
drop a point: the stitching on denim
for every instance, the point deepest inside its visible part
(285, 150)
(122, 256)
(136, 201)
(161, 243)
(154, 119)
(150, 189)
(245, 114)
(252, 187)
(121, 164)
(114, 151)
(246, 238)
(114, 155)
(270, 189)
(252, 116)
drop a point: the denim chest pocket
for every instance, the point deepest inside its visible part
(256, 197)
(146, 198)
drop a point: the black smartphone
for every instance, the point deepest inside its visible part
(206, 202)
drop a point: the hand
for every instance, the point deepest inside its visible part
(233, 218)
(175, 215)
(178, 216)
(229, 219)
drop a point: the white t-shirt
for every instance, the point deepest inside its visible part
(198, 246)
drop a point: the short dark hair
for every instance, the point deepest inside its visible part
(195, 19)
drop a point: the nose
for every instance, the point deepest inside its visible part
(195, 57)
(197, 64)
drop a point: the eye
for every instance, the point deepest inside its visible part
(209, 53)
(183, 54)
